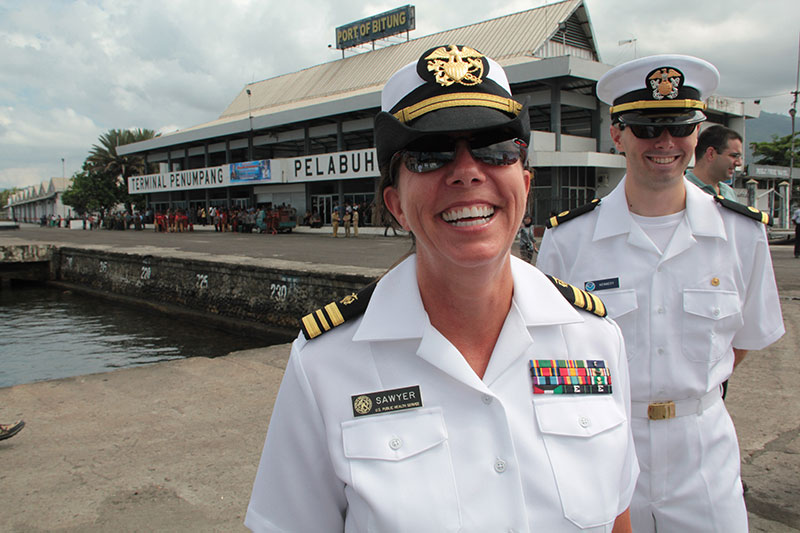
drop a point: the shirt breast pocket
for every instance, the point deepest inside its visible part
(401, 467)
(622, 306)
(586, 440)
(710, 320)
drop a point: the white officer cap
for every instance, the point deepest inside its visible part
(449, 89)
(665, 89)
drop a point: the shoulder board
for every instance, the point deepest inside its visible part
(579, 298)
(336, 313)
(552, 222)
(745, 210)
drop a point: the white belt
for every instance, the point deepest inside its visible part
(672, 409)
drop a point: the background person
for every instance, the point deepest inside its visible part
(424, 406)
(688, 277)
(527, 242)
(717, 154)
(796, 220)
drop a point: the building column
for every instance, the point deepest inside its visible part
(783, 208)
(751, 192)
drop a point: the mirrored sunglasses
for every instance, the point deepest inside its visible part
(653, 131)
(436, 156)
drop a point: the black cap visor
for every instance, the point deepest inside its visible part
(391, 135)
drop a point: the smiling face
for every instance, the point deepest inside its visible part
(723, 164)
(465, 214)
(655, 163)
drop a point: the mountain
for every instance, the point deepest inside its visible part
(764, 127)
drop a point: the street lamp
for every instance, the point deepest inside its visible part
(250, 119)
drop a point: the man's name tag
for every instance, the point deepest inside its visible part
(601, 284)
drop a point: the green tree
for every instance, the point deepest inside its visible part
(778, 151)
(5, 194)
(105, 158)
(92, 190)
(102, 183)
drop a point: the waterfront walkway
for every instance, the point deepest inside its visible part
(174, 446)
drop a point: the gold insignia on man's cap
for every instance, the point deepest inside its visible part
(665, 82)
(453, 65)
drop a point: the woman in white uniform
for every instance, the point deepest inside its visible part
(464, 391)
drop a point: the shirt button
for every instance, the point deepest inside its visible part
(716, 311)
(395, 443)
(584, 421)
(499, 466)
(660, 351)
(486, 399)
(660, 310)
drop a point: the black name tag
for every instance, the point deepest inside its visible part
(384, 401)
(601, 284)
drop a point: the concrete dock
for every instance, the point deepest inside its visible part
(174, 446)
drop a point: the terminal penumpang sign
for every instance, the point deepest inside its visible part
(246, 173)
(376, 27)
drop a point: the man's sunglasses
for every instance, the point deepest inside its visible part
(654, 131)
(441, 152)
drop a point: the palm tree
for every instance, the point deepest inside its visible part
(104, 156)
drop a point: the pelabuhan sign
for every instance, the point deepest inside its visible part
(376, 27)
(337, 165)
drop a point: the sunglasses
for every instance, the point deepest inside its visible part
(653, 131)
(440, 152)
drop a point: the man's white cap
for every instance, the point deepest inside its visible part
(659, 89)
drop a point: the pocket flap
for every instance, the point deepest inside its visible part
(620, 302)
(393, 437)
(714, 305)
(583, 417)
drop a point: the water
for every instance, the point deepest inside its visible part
(49, 333)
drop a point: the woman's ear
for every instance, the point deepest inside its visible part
(391, 198)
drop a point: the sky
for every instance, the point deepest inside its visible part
(72, 70)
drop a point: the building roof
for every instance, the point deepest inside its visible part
(508, 40)
(512, 39)
(45, 189)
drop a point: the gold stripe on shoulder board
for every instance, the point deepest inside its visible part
(579, 298)
(564, 216)
(335, 314)
(748, 211)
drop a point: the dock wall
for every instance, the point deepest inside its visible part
(263, 293)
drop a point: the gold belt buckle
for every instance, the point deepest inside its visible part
(661, 410)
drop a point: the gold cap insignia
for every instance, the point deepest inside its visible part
(450, 65)
(665, 82)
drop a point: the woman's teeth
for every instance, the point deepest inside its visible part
(468, 216)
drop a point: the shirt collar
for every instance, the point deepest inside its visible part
(395, 310)
(614, 218)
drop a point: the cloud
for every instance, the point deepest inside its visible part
(69, 71)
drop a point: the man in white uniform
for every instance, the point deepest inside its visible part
(688, 278)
